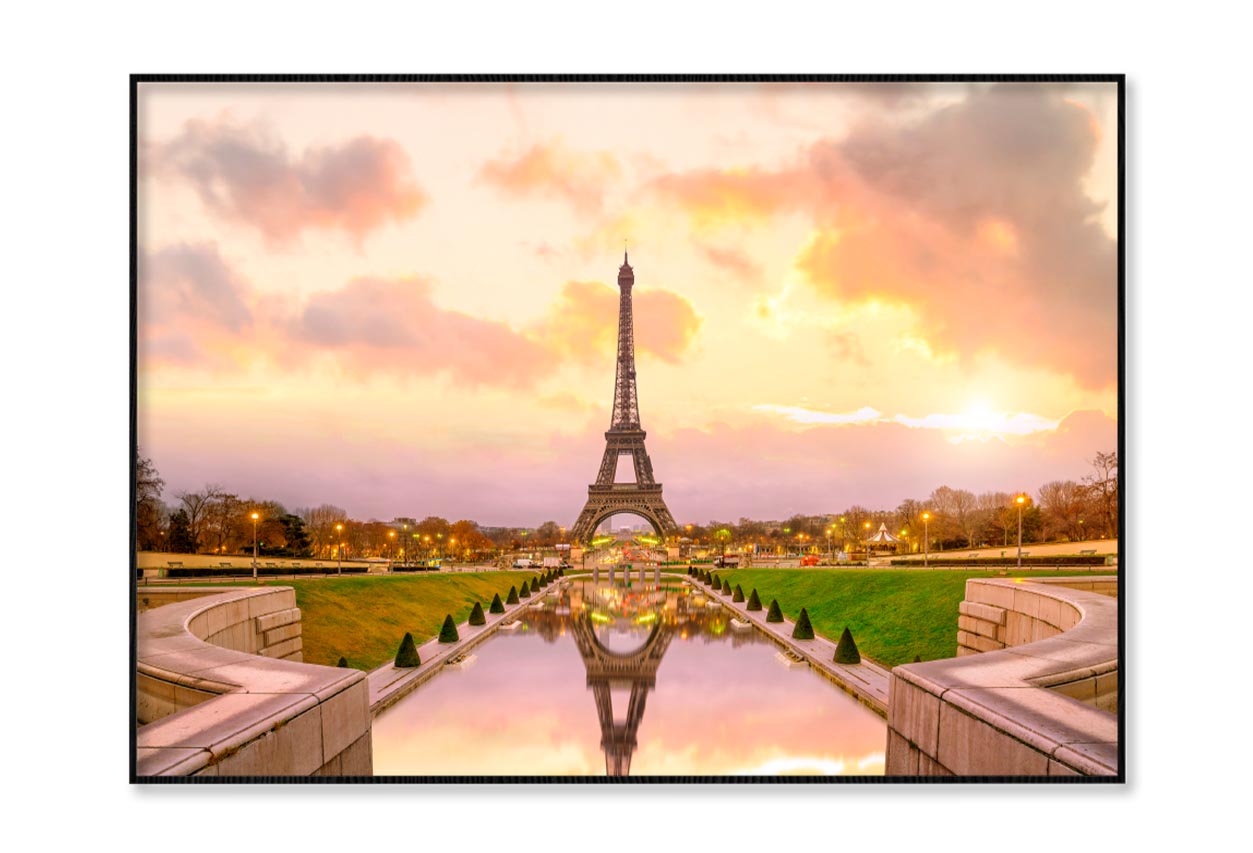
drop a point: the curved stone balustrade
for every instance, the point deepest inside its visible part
(1032, 691)
(221, 690)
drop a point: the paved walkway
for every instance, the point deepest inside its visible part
(867, 681)
(388, 684)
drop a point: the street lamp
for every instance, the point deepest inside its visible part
(1020, 500)
(926, 539)
(255, 519)
(391, 534)
(866, 525)
(339, 552)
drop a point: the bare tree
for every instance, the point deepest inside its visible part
(149, 510)
(1102, 488)
(195, 504)
(1063, 504)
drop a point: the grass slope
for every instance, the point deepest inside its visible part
(893, 615)
(364, 619)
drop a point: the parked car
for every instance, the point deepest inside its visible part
(809, 560)
(523, 563)
(730, 561)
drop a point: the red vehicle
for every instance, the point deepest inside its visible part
(809, 560)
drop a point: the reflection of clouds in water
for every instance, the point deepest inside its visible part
(721, 705)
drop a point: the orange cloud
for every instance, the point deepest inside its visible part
(550, 170)
(974, 215)
(712, 196)
(244, 175)
(583, 323)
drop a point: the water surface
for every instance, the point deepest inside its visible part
(639, 680)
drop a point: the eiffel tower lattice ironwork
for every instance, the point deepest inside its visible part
(625, 437)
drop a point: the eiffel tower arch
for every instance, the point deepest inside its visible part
(625, 438)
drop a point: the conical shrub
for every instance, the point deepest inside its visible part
(803, 630)
(713, 580)
(476, 615)
(534, 584)
(448, 633)
(407, 655)
(917, 658)
(525, 592)
(726, 587)
(343, 663)
(512, 598)
(774, 614)
(498, 606)
(754, 603)
(738, 594)
(846, 649)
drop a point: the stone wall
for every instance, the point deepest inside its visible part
(1033, 691)
(221, 690)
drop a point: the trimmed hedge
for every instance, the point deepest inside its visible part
(774, 614)
(407, 654)
(738, 594)
(525, 592)
(343, 663)
(498, 606)
(846, 649)
(512, 598)
(976, 562)
(803, 630)
(476, 615)
(754, 603)
(726, 587)
(448, 633)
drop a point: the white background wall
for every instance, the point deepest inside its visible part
(65, 187)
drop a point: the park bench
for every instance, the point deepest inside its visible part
(1088, 551)
(174, 564)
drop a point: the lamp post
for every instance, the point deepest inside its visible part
(405, 550)
(866, 525)
(926, 539)
(339, 552)
(1020, 500)
(391, 547)
(255, 518)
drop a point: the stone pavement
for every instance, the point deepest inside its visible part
(866, 681)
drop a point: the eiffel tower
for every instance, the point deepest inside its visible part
(625, 437)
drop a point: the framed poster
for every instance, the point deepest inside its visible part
(565, 428)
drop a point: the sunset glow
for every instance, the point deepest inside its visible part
(400, 298)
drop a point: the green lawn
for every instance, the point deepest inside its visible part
(893, 614)
(364, 618)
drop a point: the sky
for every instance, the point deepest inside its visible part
(400, 298)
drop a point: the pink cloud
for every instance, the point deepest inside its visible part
(244, 175)
(190, 303)
(393, 326)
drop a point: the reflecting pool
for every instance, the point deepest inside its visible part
(647, 679)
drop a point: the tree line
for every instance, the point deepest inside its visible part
(213, 520)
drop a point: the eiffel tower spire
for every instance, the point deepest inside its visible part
(625, 437)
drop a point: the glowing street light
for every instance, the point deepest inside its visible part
(339, 553)
(866, 525)
(926, 539)
(255, 518)
(1020, 500)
